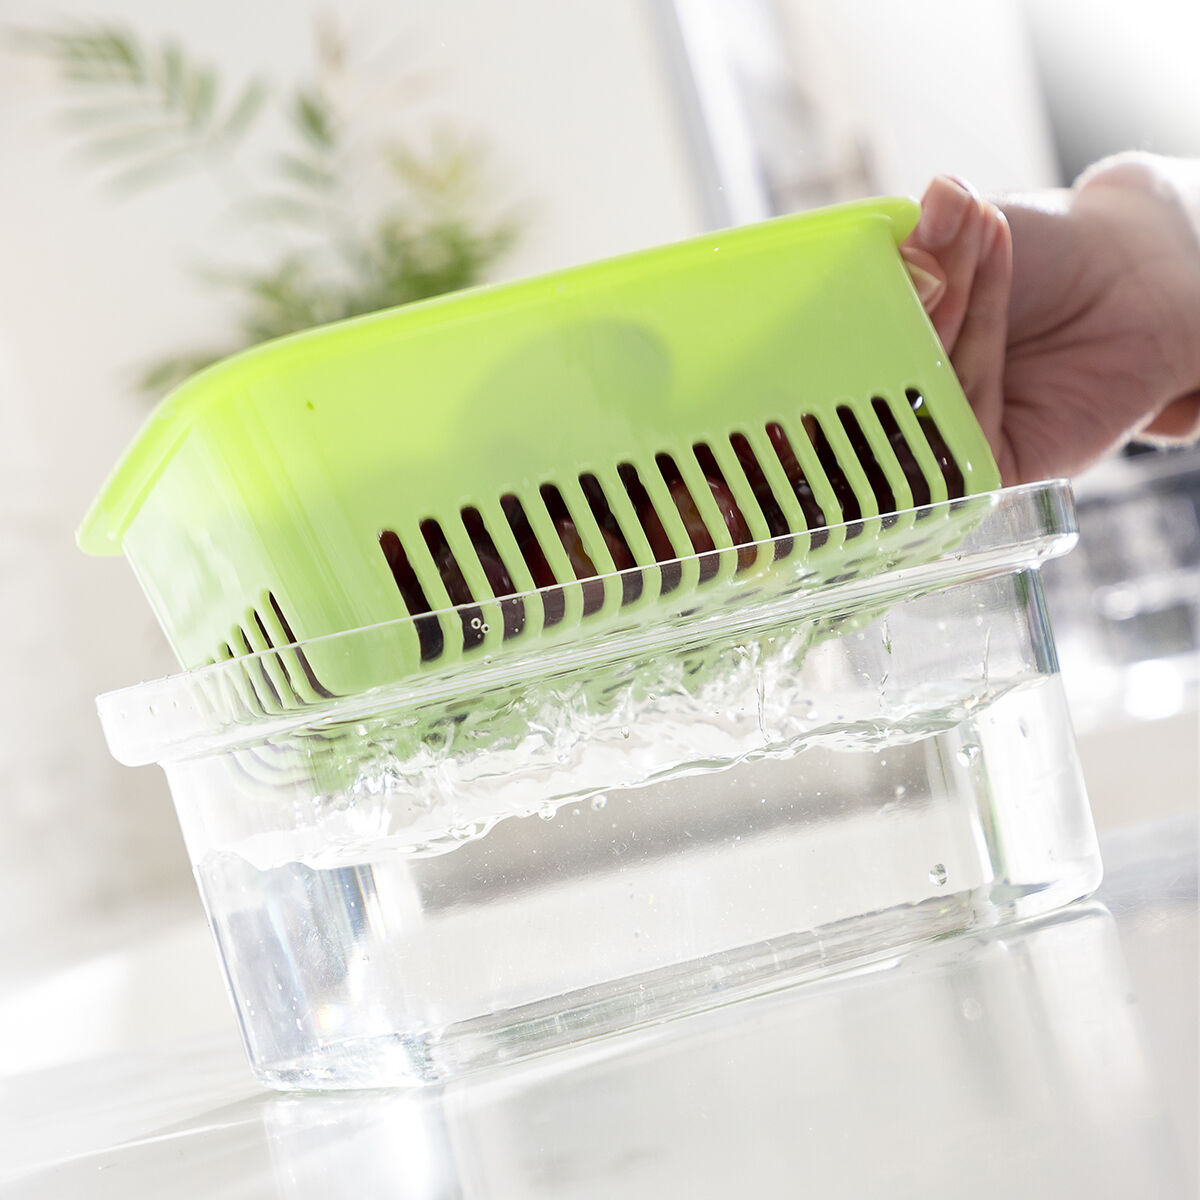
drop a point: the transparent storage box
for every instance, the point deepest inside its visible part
(781, 774)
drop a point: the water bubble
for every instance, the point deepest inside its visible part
(598, 802)
(546, 812)
(937, 874)
(968, 755)
(972, 1009)
(476, 623)
(899, 790)
(484, 627)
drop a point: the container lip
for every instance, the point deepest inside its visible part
(103, 528)
(198, 712)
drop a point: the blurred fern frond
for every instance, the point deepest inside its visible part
(145, 113)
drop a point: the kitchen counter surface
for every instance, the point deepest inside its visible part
(1047, 1059)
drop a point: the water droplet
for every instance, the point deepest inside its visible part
(598, 802)
(972, 1009)
(968, 755)
(899, 790)
(937, 874)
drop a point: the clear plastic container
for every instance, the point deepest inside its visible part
(770, 778)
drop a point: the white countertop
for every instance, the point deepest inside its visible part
(1050, 1059)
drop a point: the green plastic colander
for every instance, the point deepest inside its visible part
(489, 462)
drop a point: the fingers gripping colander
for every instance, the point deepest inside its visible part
(774, 381)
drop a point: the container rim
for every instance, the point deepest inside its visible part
(217, 707)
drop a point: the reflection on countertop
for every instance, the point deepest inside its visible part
(1053, 1058)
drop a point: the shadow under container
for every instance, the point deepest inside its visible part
(742, 788)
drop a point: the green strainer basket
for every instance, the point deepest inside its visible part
(490, 462)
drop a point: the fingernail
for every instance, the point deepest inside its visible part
(942, 212)
(928, 285)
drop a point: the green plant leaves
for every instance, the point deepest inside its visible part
(143, 113)
(314, 119)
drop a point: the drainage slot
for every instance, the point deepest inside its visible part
(498, 578)
(652, 527)
(727, 505)
(843, 491)
(553, 604)
(455, 584)
(572, 544)
(614, 537)
(814, 514)
(951, 472)
(885, 498)
(429, 630)
(917, 483)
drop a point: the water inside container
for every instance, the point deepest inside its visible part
(642, 903)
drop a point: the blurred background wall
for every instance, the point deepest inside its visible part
(608, 125)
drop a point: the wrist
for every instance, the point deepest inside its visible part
(1151, 206)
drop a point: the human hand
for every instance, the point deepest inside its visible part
(1072, 317)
